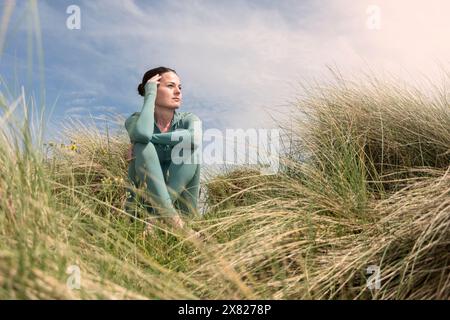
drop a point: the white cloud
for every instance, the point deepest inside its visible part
(76, 110)
(236, 58)
(109, 109)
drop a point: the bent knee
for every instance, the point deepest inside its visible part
(145, 150)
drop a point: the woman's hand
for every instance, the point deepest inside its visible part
(149, 230)
(130, 154)
(177, 222)
(155, 78)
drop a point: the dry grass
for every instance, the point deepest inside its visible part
(373, 190)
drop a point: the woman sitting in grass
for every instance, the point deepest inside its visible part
(172, 185)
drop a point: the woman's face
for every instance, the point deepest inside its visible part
(169, 91)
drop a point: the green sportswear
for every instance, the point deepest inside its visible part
(167, 182)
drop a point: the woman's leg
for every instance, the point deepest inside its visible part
(183, 185)
(148, 171)
(130, 194)
(189, 197)
(133, 200)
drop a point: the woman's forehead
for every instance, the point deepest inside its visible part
(170, 77)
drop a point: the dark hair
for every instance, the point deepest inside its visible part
(149, 74)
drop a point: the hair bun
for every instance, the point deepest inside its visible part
(141, 89)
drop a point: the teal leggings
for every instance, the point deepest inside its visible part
(167, 183)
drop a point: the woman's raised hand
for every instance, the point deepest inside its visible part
(155, 78)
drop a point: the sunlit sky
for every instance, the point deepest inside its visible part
(237, 60)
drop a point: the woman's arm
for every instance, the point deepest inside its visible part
(192, 132)
(140, 126)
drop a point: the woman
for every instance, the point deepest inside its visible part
(154, 132)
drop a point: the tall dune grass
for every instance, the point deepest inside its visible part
(367, 183)
(374, 190)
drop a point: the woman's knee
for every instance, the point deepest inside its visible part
(145, 151)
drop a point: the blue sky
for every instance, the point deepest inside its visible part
(238, 60)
